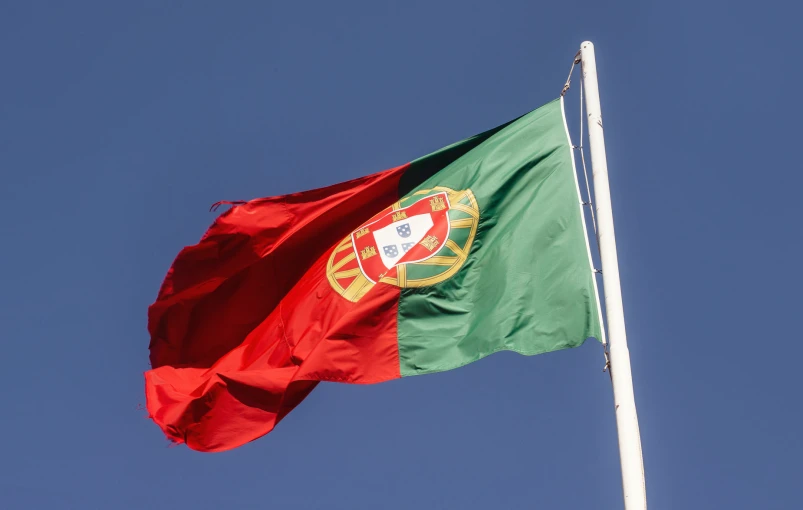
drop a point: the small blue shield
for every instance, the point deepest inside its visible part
(391, 251)
(407, 246)
(403, 230)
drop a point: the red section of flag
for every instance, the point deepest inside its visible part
(245, 323)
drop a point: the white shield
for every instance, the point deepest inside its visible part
(388, 236)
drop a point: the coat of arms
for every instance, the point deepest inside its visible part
(420, 240)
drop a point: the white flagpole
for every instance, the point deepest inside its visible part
(633, 486)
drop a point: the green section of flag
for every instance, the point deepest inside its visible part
(527, 284)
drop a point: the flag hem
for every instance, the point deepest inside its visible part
(603, 340)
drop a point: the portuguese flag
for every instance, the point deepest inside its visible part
(476, 248)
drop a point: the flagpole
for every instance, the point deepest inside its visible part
(633, 486)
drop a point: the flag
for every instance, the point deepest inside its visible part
(476, 248)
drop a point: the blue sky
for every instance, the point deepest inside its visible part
(122, 122)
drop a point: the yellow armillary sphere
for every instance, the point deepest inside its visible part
(421, 240)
